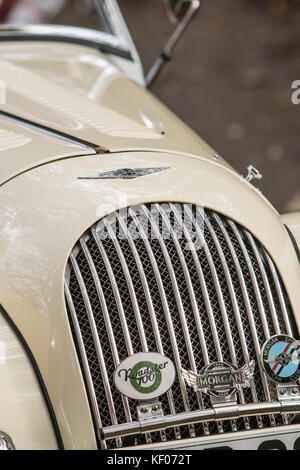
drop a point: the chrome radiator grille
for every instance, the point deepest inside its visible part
(146, 279)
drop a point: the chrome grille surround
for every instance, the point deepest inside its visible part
(134, 283)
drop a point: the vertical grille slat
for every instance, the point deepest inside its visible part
(83, 357)
(98, 348)
(186, 282)
(116, 292)
(231, 290)
(178, 299)
(192, 296)
(107, 322)
(193, 305)
(266, 283)
(149, 302)
(237, 315)
(130, 286)
(253, 279)
(258, 297)
(166, 309)
(251, 317)
(208, 305)
(281, 296)
(216, 283)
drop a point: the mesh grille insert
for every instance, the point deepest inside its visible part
(145, 270)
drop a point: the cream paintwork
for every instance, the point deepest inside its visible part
(38, 237)
(23, 413)
(80, 68)
(293, 222)
(23, 148)
(45, 208)
(120, 115)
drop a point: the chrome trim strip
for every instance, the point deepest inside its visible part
(195, 417)
(53, 132)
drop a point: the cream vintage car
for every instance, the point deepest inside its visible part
(150, 294)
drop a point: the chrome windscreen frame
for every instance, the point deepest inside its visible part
(116, 40)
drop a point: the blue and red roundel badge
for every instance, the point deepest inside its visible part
(281, 359)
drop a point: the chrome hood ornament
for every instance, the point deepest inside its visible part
(123, 173)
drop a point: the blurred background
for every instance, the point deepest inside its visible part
(230, 78)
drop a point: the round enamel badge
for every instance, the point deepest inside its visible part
(144, 376)
(281, 359)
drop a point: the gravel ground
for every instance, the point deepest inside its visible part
(230, 80)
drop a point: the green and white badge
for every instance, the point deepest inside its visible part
(144, 376)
